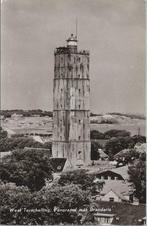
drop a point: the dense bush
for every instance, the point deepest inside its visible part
(116, 133)
(26, 167)
(115, 145)
(137, 172)
(3, 134)
(94, 150)
(81, 178)
(21, 207)
(9, 144)
(95, 134)
(139, 139)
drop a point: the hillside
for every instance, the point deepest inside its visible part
(39, 124)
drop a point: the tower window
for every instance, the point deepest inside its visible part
(79, 76)
(61, 90)
(70, 67)
(79, 137)
(79, 90)
(79, 121)
(79, 106)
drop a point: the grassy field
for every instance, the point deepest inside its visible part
(45, 124)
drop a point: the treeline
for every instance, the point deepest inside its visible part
(114, 142)
(95, 134)
(26, 113)
(10, 144)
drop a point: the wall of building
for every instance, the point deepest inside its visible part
(71, 133)
(109, 195)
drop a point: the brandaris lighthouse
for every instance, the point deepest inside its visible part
(71, 133)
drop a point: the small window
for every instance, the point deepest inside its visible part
(111, 199)
(105, 177)
(79, 121)
(79, 76)
(61, 90)
(79, 91)
(79, 106)
(112, 178)
(79, 137)
(61, 105)
(59, 167)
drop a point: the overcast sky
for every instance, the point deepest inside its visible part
(113, 31)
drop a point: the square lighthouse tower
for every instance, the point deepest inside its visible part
(71, 123)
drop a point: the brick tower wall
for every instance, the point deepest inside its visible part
(71, 133)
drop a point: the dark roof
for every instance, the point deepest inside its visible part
(57, 164)
(122, 171)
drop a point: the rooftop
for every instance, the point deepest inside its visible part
(126, 214)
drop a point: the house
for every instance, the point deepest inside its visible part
(103, 155)
(117, 191)
(116, 186)
(113, 197)
(103, 218)
(120, 173)
(121, 154)
(116, 213)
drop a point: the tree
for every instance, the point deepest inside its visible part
(10, 144)
(116, 133)
(3, 133)
(137, 173)
(49, 206)
(95, 134)
(65, 202)
(94, 151)
(115, 145)
(81, 178)
(28, 168)
(13, 197)
(139, 139)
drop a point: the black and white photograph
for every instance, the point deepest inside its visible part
(72, 112)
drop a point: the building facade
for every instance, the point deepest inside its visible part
(71, 129)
